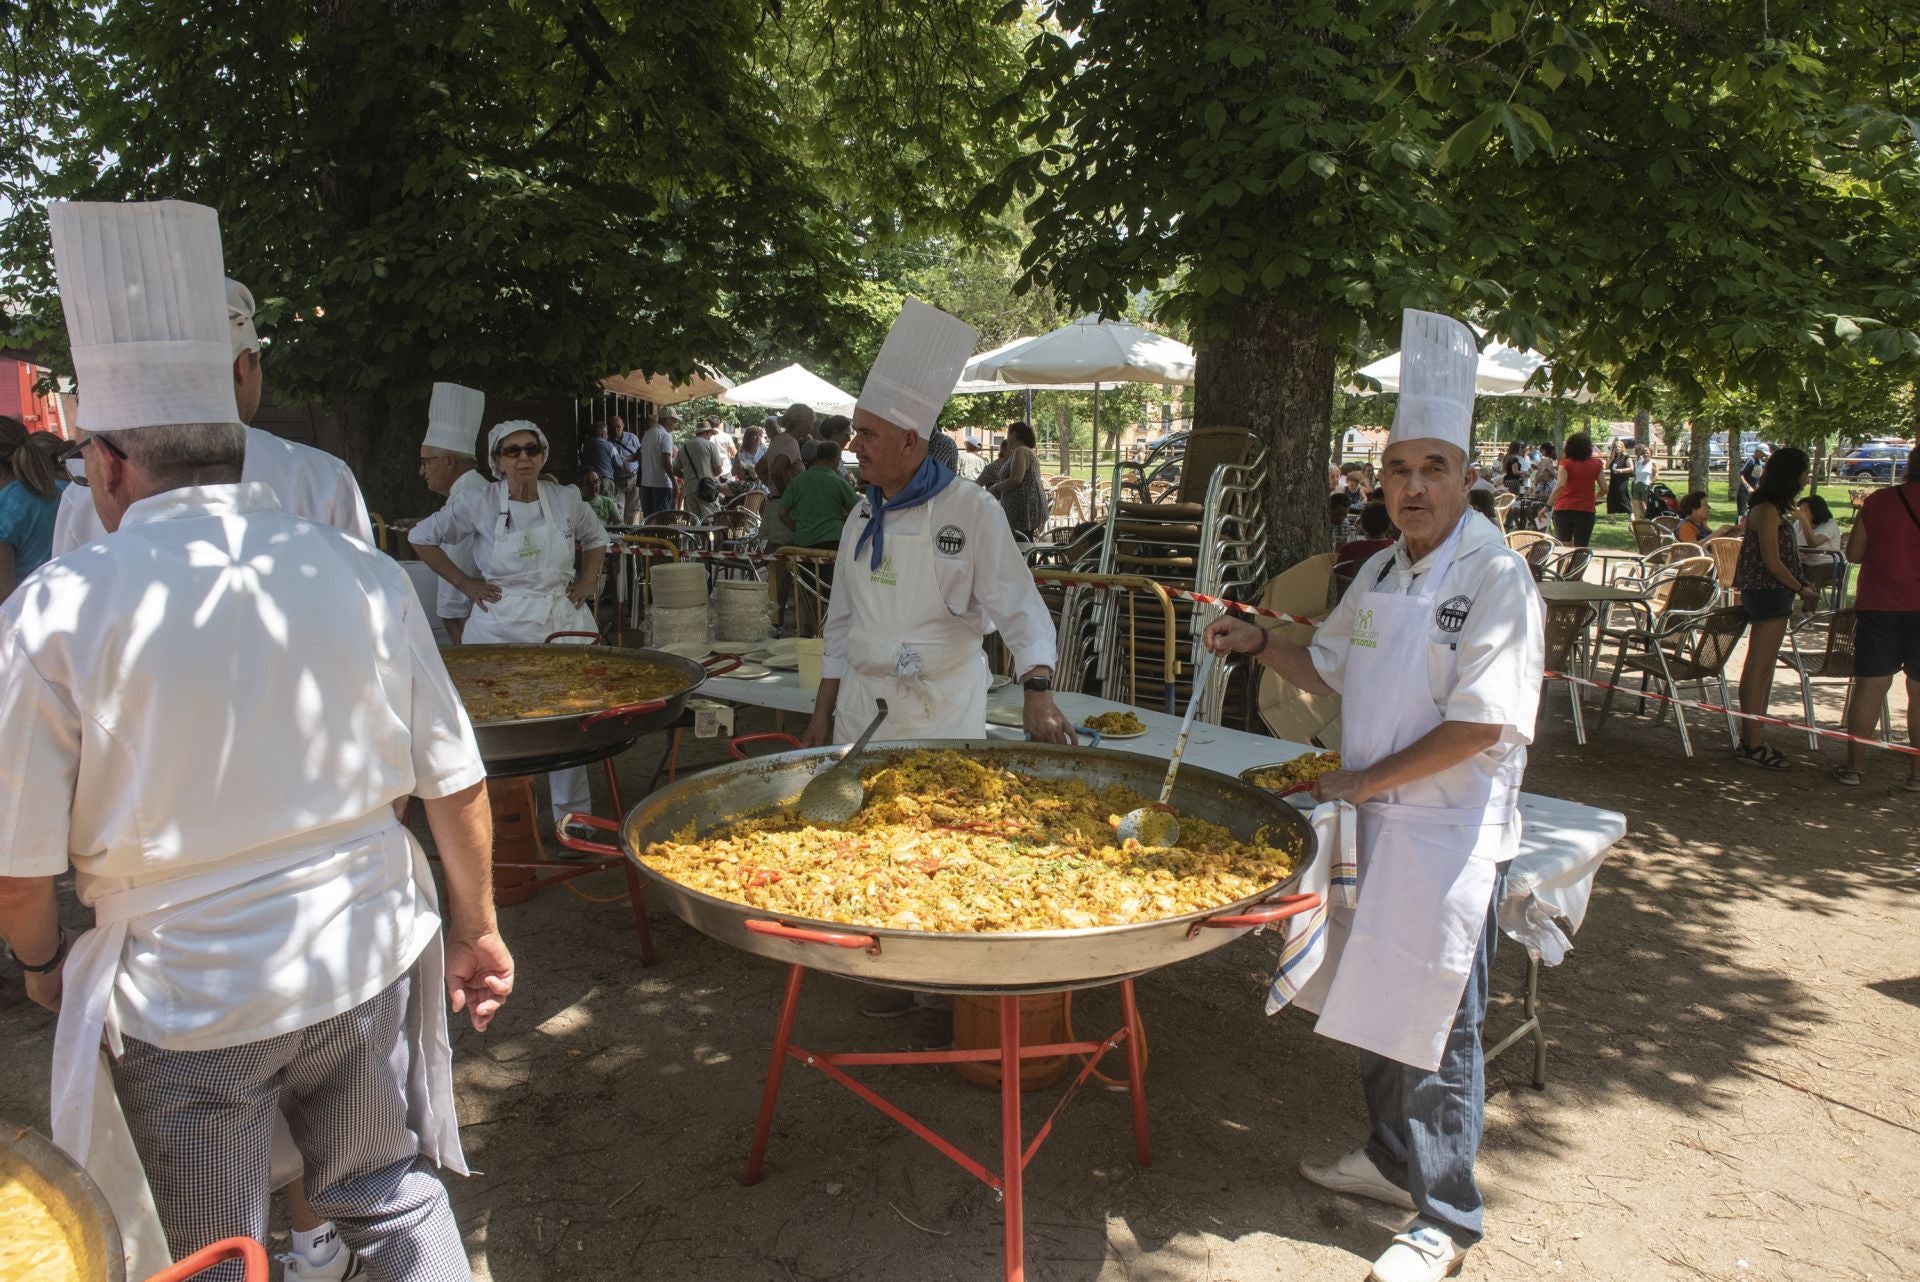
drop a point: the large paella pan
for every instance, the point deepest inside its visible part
(972, 961)
(537, 706)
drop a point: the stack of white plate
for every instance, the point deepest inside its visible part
(679, 585)
(741, 612)
(678, 625)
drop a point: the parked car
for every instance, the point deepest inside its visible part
(1874, 461)
(1717, 450)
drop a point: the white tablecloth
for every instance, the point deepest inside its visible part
(1562, 844)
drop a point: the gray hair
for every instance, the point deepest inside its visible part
(182, 454)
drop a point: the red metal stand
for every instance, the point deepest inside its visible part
(605, 855)
(1015, 1152)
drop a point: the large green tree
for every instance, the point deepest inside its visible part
(1707, 193)
(522, 196)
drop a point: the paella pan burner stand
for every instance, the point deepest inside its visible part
(1016, 1151)
(553, 872)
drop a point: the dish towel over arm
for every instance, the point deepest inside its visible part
(1336, 879)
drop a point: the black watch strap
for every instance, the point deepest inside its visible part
(1039, 685)
(59, 955)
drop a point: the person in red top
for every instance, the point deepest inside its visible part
(1885, 544)
(1577, 490)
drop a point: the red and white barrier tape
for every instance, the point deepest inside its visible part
(1801, 727)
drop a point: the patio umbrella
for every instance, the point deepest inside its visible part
(662, 390)
(1503, 371)
(794, 385)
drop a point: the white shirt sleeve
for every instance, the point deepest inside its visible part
(1004, 586)
(350, 507)
(446, 757)
(833, 653)
(457, 519)
(39, 764)
(1502, 653)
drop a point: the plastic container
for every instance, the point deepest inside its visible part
(808, 650)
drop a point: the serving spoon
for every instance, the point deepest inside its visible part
(835, 795)
(1157, 825)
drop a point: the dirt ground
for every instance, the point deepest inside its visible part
(1730, 1096)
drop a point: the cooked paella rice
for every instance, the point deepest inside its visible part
(1304, 768)
(558, 680)
(948, 842)
(1116, 723)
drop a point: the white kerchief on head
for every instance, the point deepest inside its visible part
(1438, 360)
(240, 318)
(917, 367)
(143, 287)
(453, 418)
(501, 431)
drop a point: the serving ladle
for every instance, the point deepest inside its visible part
(1157, 825)
(835, 795)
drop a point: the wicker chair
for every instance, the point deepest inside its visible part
(1567, 624)
(1567, 565)
(1521, 540)
(1648, 537)
(1538, 554)
(1640, 572)
(1835, 660)
(1726, 559)
(1677, 596)
(1694, 654)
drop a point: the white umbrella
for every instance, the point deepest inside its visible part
(794, 385)
(973, 383)
(1503, 371)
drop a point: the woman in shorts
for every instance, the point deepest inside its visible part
(1769, 580)
(1885, 544)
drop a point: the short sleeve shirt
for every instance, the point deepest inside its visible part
(26, 526)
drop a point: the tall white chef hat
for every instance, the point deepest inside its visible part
(500, 431)
(1438, 358)
(917, 367)
(240, 318)
(143, 288)
(453, 418)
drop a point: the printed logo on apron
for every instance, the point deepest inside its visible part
(885, 576)
(951, 540)
(1363, 634)
(1452, 614)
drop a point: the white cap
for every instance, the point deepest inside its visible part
(1438, 359)
(240, 318)
(917, 367)
(143, 288)
(453, 418)
(503, 430)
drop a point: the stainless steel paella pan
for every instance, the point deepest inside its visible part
(996, 962)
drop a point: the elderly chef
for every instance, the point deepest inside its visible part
(266, 935)
(447, 466)
(1436, 651)
(308, 482)
(523, 531)
(925, 568)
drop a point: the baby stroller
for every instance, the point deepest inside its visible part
(1661, 501)
(1527, 513)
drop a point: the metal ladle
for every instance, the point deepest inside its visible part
(835, 795)
(1156, 825)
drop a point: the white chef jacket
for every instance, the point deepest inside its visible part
(984, 579)
(220, 685)
(657, 441)
(475, 515)
(450, 602)
(309, 483)
(1484, 650)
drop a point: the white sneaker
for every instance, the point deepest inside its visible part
(1355, 1175)
(342, 1267)
(1421, 1254)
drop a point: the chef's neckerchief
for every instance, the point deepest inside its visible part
(927, 482)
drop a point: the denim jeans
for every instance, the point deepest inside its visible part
(1426, 1125)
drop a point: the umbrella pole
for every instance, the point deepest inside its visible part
(1093, 477)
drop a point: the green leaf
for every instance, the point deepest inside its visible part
(1322, 164)
(1466, 141)
(1216, 117)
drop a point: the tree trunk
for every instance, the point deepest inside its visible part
(1273, 373)
(1643, 427)
(1702, 445)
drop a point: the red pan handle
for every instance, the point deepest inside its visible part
(721, 664)
(555, 636)
(735, 744)
(1273, 910)
(249, 1252)
(625, 712)
(581, 844)
(832, 937)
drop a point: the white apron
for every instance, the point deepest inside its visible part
(87, 1121)
(906, 646)
(450, 602)
(532, 569)
(1398, 963)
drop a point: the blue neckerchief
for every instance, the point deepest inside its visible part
(927, 482)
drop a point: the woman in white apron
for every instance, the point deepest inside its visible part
(524, 530)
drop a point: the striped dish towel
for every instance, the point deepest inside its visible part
(1336, 880)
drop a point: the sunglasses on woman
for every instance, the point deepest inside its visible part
(72, 457)
(515, 451)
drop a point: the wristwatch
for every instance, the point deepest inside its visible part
(1037, 685)
(59, 955)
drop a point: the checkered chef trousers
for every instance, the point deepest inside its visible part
(203, 1124)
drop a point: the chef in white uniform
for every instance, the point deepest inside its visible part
(266, 937)
(308, 482)
(446, 465)
(1437, 653)
(926, 568)
(527, 586)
